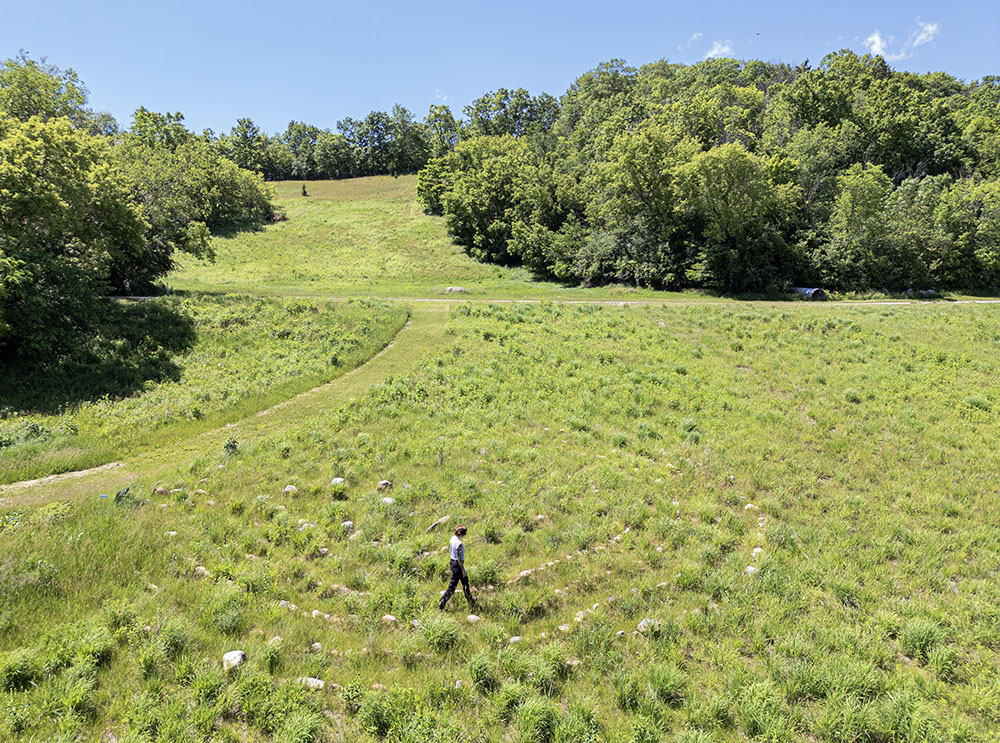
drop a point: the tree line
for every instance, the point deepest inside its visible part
(734, 176)
(88, 210)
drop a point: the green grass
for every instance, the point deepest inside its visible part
(661, 444)
(364, 236)
(215, 359)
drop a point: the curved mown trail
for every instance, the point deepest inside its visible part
(419, 334)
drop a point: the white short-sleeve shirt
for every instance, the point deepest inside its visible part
(456, 550)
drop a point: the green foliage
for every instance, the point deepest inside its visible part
(734, 176)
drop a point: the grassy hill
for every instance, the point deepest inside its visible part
(364, 236)
(687, 522)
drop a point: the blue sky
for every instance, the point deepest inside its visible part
(319, 62)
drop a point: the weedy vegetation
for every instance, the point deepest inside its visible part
(564, 437)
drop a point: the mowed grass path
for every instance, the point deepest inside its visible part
(365, 236)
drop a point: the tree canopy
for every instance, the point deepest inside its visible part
(733, 176)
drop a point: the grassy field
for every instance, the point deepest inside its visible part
(170, 368)
(637, 461)
(365, 236)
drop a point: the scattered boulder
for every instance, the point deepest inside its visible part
(458, 683)
(171, 533)
(456, 290)
(290, 489)
(384, 485)
(388, 501)
(199, 491)
(649, 626)
(202, 572)
(620, 633)
(751, 570)
(757, 551)
(316, 647)
(313, 684)
(564, 628)
(514, 640)
(388, 619)
(347, 525)
(378, 687)
(436, 524)
(338, 481)
(233, 659)
(749, 507)
(472, 619)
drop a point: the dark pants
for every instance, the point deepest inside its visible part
(457, 575)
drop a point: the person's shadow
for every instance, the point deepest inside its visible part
(129, 344)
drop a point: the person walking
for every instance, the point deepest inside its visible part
(456, 551)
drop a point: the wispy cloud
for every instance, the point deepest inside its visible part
(924, 33)
(442, 97)
(720, 49)
(694, 37)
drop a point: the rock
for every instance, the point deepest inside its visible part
(202, 572)
(290, 489)
(384, 485)
(436, 524)
(338, 481)
(324, 551)
(378, 687)
(313, 684)
(455, 290)
(648, 626)
(388, 501)
(388, 619)
(354, 535)
(573, 662)
(199, 491)
(153, 587)
(749, 507)
(316, 647)
(171, 533)
(514, 640)
(564, 628)
(233, 659)
(472, 619)
(541, 517)
(210, 503)
(757, 551)
(620, 633)
(317, 614)
(751, 570)
(175, 491)
(251, 557)
(415, 623)
(347, 525)
(275, 640)
(663, 584)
